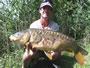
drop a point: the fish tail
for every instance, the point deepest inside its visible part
(79, 57)
(29, 48)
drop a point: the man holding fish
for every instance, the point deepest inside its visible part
(41, 38)
(43, 23)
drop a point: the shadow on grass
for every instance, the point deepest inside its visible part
(66, 61)
(62, 62)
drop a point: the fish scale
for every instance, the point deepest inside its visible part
(47, 34)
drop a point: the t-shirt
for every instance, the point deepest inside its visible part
(51, 26)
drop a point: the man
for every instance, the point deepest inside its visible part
(43, 23)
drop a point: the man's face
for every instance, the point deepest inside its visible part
(45, 12)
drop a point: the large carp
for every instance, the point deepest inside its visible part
(48, 41)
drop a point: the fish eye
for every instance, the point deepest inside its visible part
(18, 33)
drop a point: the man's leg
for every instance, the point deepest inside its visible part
(27, 58)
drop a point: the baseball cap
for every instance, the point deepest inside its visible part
(44, 3)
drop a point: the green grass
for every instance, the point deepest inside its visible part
(11, 60)
(66, 60)
(70, 62)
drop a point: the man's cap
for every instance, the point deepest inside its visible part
(44, 3)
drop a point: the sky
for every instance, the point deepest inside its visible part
(3, 1)
(1, 5)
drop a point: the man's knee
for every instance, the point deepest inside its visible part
(26, 57)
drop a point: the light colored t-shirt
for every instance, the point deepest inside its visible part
(52, 25)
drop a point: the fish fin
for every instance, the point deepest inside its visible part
(29, 47)
(48, 55)
(83, 51)
(69, 50)
(80, 58)
(28, 50)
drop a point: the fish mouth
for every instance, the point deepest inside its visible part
(12, 38)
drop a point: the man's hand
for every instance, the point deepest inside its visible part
(55, 54)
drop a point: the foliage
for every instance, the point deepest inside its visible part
(73, 17)
(11, 60)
